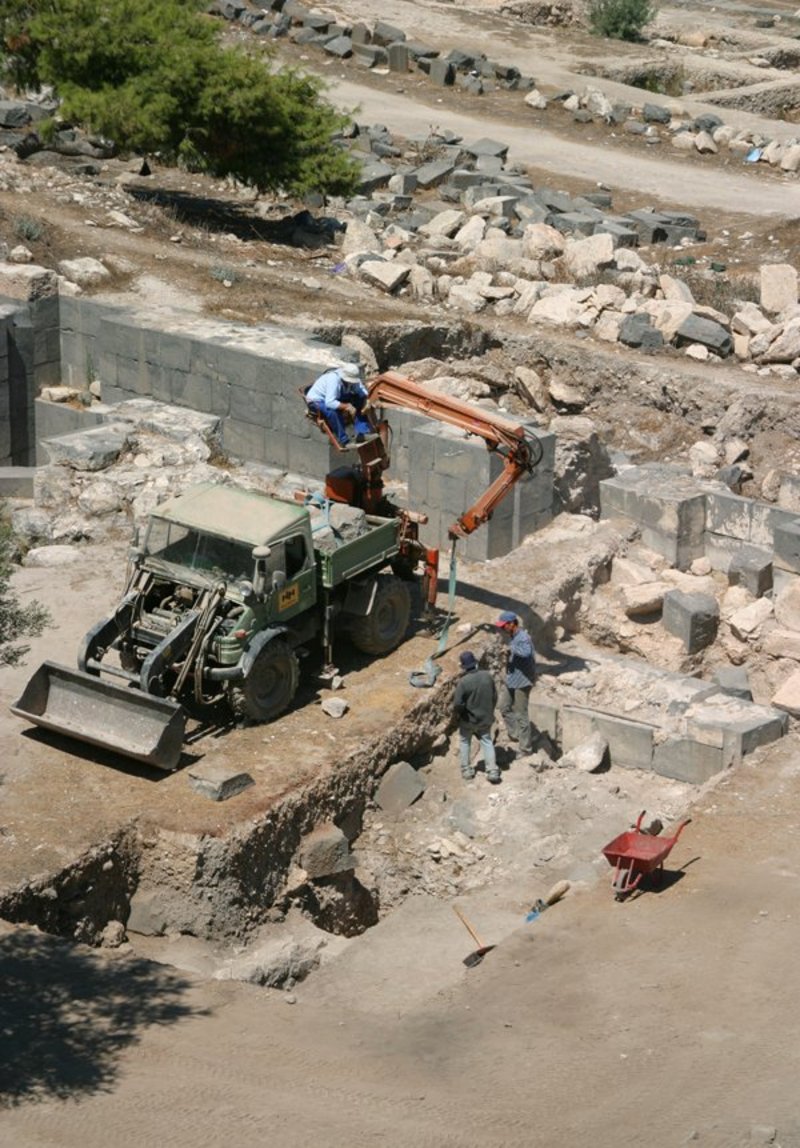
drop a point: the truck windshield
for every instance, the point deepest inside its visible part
(193, 550)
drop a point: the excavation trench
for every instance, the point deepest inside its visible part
(221, 887)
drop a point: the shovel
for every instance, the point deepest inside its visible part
(477, 956)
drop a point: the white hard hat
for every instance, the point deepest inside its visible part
(350, 372)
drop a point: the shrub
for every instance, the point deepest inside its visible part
(620, 19)
(28, 230)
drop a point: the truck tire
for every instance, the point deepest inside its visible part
(270, 686)
(385, 627)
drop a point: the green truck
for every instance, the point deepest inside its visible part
(224, 590)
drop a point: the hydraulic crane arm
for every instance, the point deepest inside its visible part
(520, 454)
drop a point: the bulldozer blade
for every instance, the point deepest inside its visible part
(116, 718)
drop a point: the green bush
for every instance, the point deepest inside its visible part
(620, 19)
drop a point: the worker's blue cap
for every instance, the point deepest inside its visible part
(468, 660)
(506, 619)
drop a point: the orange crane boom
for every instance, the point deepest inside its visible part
(521, 454)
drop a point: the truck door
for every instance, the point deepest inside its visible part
(299, 591)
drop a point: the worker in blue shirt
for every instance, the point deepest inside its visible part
(336, 394)
(515, 691)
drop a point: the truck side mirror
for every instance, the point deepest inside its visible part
(278, 580)
(260, 556)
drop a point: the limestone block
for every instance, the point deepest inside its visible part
(559, 309)
(790, 161)
(644, 599)
(27, 281)
(590, 756)
(749, 320)
(787, 606)
(778, 286)
(786, 347)
(787, 697)
(675, 289)
(389, 277)
(92, 449)
(446, 223)
(782, 644)
(704, 143)
(218, 782)
(746, 623)
(470, 235)
(585, 258)
(86, 272)
(535, 99)
(540, 241)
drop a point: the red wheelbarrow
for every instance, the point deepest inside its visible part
(635, 853)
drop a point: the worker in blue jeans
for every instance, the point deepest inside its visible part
(515, 690)
(336, 394)
(474, 701)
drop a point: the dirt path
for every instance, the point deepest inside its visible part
(670, 179)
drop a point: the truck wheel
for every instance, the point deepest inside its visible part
(385, 628)
(270, 686)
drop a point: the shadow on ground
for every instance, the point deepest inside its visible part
(66, 1016)
(217, 215)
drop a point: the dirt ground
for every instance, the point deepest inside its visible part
(665, 1020)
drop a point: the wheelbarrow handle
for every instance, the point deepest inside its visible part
(639, 820)
(680, 829)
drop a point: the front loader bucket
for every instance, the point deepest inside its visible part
(118, 718)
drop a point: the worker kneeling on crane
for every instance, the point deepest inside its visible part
(339, 393)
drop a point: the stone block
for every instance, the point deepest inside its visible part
(386, 34)
(693, 618)
(751, 568)
(27, 282)
(16, 481)
(218, 782)
(787, 697)
(782, 644)
(400, 787)
(630, 743)
(247, 442)
(339, 46)
(370, 55)
(433, 173)
(778, 287)
(666, 504)
(734, 680)
(398, 57)
(545, 717)
(786, 543)
(325, 852)
(442, 73)
(89, 450)
(688, 760)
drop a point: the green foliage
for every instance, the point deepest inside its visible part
(620, 19)
(152, 76)
(16, 621)
(29, 230)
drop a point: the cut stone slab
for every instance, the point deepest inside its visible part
(92, 449)
(693, 618)
(27, 281)
(51, 556)
(389, 277)
(218, 782)
(400, 787)
(86, 272)
(325, 851)
(787, 698)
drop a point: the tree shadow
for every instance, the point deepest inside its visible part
(66, 1016)
(301, 229)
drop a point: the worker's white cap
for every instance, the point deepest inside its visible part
(350, 372)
